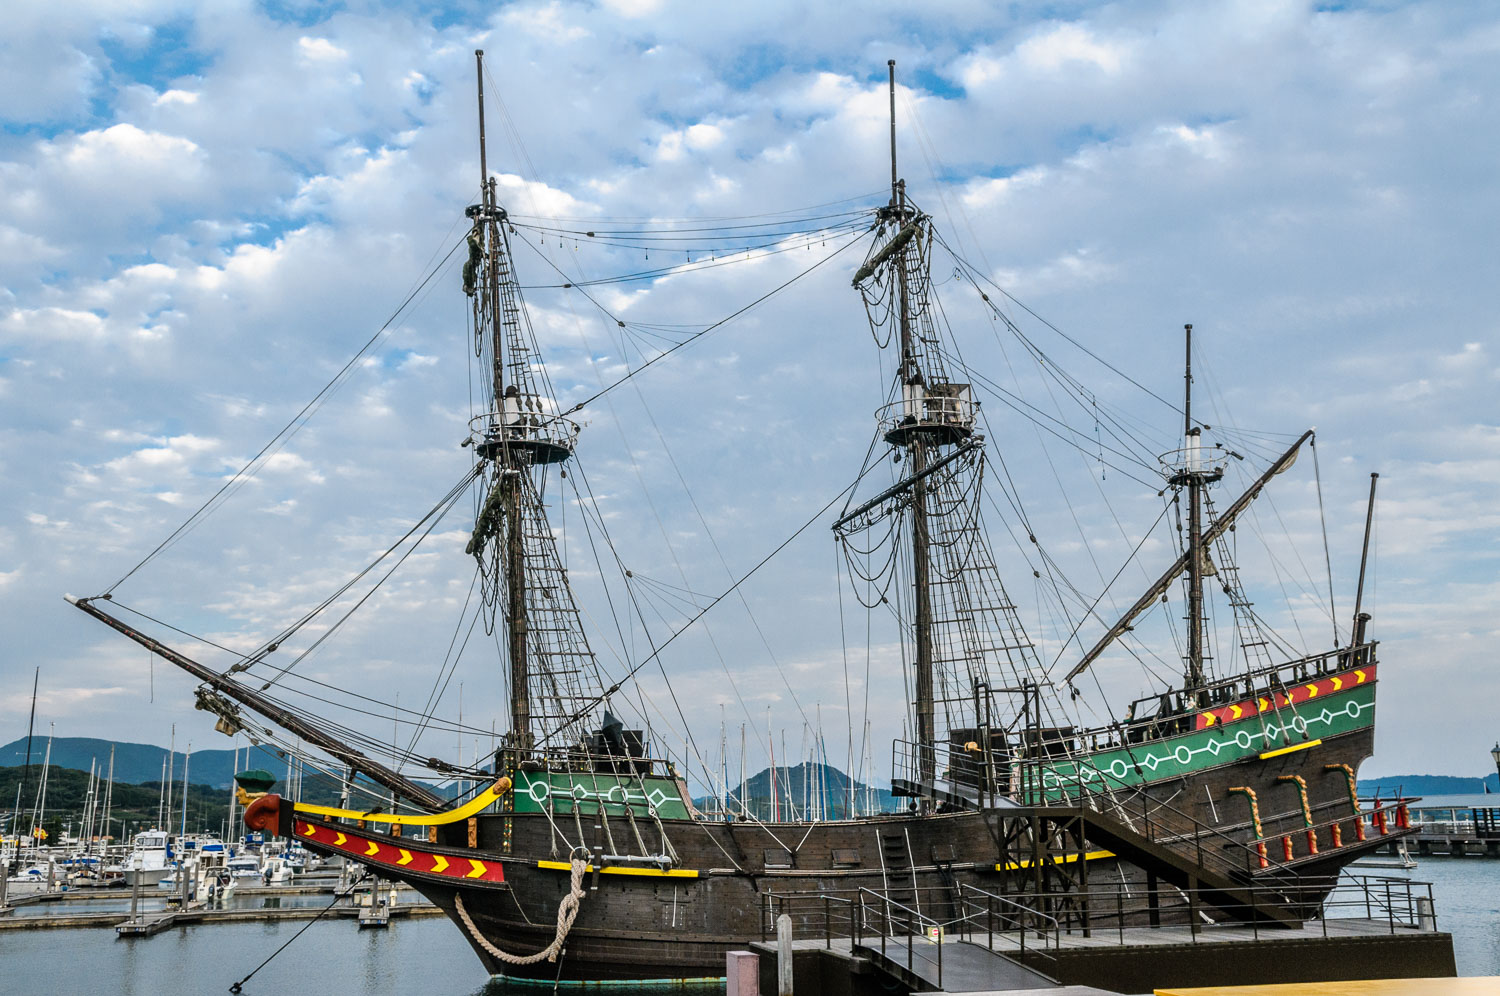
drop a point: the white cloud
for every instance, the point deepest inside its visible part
(169, 97)
(320, 50)
(124, 149)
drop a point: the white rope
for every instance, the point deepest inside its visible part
(567, 912)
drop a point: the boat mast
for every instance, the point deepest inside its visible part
(1194, 478)
(1357, 633)
(510, 471)
(916, 448)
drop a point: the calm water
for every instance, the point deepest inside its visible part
(1466, 892)
(429, 956)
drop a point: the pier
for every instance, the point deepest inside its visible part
(1447, 830)
(62, 909)
(870, 942)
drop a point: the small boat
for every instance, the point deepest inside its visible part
(243, 866)
(150, 858)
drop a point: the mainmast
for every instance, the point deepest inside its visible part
(916, 448)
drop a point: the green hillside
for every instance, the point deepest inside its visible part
(138, 806)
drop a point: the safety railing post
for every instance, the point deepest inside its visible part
(1120, 911)
(827, 925)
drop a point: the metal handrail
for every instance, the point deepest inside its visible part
(525, 426)
(1401, 903)
(1023, 929)
(913, 916)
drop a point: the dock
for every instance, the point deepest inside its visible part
(62, 911)
(1447, 830)
(1137, 959)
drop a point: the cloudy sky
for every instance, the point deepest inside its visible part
(204, 217)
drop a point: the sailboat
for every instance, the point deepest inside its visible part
(580, 851)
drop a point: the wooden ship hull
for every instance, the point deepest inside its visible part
(501, 876)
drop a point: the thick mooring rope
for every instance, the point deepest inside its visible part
(567, 912)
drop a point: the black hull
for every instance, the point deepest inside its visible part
(649, 925)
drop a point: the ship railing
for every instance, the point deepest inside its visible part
(579, 759)
(1243, 685)
(524, 427)
(959, 776)
(956, 411)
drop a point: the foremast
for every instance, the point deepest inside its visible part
(553, 677)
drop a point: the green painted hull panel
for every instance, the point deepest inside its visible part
(1189, 753)
(560, 792)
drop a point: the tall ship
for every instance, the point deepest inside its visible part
(577, 849)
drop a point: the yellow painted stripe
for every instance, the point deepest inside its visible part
(1066, 859)
(473, 807)
(617, 870)
(1289, 750)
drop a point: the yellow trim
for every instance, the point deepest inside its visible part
(616, 870)
(473, 807)
(1288, 750)
(1065, 859)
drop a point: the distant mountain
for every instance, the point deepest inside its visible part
(1429, 785)
(136, 764)
(797, 790)
(141, 764)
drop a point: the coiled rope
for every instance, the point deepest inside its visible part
(567, 912)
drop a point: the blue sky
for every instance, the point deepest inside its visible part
(203, 217)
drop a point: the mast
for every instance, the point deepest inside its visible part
(109, 791)
(916, 448)
(1357, 634)
(30, 728)
(514, 557)
(185, 759)
(1194, 479)
(1214, 531)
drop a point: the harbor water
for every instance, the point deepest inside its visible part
(428, 955)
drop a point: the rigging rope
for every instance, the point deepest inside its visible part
(288, 430)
